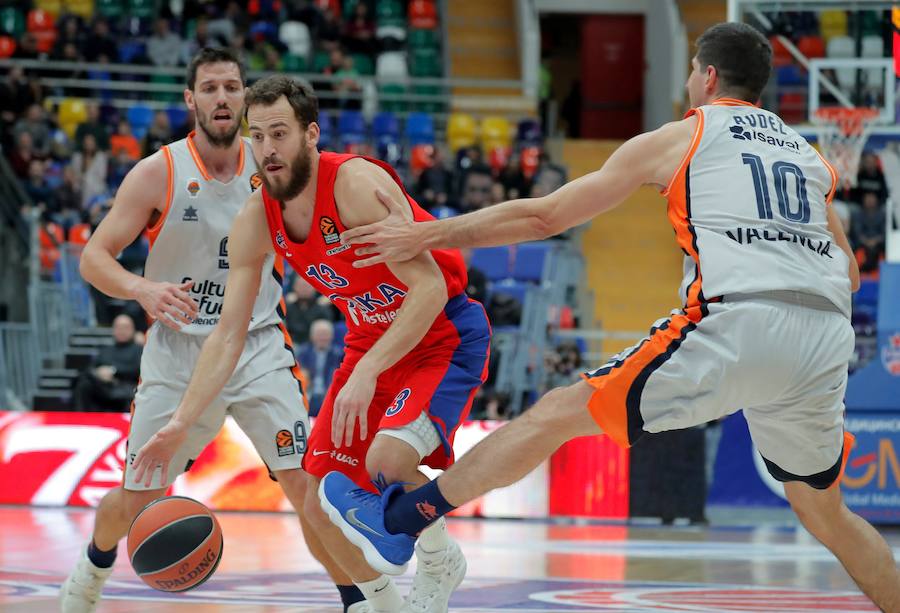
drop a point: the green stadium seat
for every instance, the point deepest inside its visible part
(12, 21)
(423, 38)
(392, 89)
(321, 60)
(425, 63)
(363, 64)
(293, 63)
(428, 106)
(142, 9)
(111, 9)
(166, 96)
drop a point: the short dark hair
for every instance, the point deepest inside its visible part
(267, 91)
(741, 56)
(212, 55)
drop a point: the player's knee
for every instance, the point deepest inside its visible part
(393, 459)
(820, 511)
(312, 507)
(294, 482)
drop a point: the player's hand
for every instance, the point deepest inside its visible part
(393, 239)
(158, 452)
(352, 405)
(170, 303)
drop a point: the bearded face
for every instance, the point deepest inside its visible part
(283, 179)
(221, 125)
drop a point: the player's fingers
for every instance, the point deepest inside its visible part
(175, 313)
(138, 467)
(182, 307)
(186, 286)
(372, 261)
(166, 321)
(186, 299)
(148, 475)
(363, 426)
(164, 473)
(355, 236)
(337, 425)
(348, 430)
(366, 250)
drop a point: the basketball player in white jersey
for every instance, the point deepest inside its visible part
(187, 196)
(765, 325)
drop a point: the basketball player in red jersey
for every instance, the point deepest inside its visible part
(187, 196)
(416, 346)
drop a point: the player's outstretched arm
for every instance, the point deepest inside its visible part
(248, 245)
(142, 193)
(425, 298)
(649, 158)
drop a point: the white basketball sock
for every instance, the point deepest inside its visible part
(381, 594)
(434, 537)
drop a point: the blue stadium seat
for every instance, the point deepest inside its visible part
(867, 294)
(420, 129)
(352, 127)
(528, 133)
(386, 128)
(325, 130)
(177, 116)
(443, 212)
(530, 258)
(140, 117)
(130, 50)
(492, 261)
(511, 287)
(792, 74)
(340, 331)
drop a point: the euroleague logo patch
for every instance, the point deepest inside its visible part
(193, 187)
(279, 240)
(398, 403)
(255, 181)
(329, 230)
(284, 442)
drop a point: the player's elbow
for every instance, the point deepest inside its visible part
(86, 263)
(545, 219)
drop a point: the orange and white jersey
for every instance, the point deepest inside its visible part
(190, 240)
(748, 204)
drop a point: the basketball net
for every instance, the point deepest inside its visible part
(843, 146)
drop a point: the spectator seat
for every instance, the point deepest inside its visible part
(420, 129)
(494, 262)
(529, 262)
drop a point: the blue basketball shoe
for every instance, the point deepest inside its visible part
(360, 515)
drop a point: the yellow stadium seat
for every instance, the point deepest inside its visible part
(461, 131)
(82, 8)
(833, 23)
(54, 7)
(72, 111)
(496, 132)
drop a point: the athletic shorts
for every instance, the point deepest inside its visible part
(264, 396)
(782, 357)
(439, 381)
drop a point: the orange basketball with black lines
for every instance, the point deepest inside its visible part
(175, 544)
(284, 439)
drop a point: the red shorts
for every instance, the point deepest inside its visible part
(441, 381)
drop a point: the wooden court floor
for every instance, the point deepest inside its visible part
(513, 566)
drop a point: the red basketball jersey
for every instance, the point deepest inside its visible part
(368, 297)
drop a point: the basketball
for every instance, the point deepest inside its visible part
(175, 544)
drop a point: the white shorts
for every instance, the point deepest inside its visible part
(782, 357)
(263, 396)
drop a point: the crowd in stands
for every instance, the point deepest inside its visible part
(71, 155)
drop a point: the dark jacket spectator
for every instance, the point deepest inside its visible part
(435, 183)
(21, 156)
(329, 33)
(16, 95)
(303, 308)
(477, 286)
(867, 232)
(40, 193)
(359, 31)
(159, 134)
(109, 384)
(35, 123)
(100, 43)
(94, 126)
(319, 358)
(870, 178)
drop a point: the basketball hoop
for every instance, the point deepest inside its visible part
(842, 135)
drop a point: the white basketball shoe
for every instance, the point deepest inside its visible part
(81, 591)
(437, 575)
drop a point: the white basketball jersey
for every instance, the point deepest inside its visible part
(748, 207)
(190, 242)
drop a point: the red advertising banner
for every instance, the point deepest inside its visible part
(60, 459)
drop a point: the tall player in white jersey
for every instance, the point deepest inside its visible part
(187, 196)
(765, 324)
